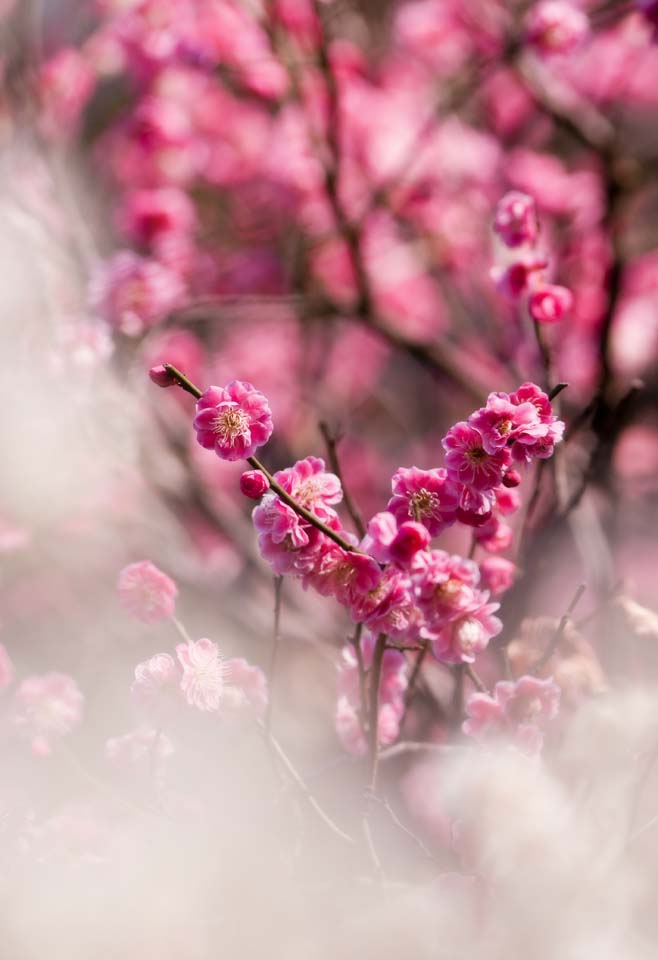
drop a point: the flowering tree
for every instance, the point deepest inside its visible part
(340, 238)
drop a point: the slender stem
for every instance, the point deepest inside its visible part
(182, 380)
(475, 678)
(302, 786)
(375, 677)
(189, 387)
(331, 441)
(557, 636)
(415, 673)
(278, 589)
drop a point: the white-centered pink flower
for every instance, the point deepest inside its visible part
(204, 673)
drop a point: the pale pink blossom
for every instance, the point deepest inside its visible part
(497, 574)
(515, 220)
(140, 746)
(146, 592)
(133, 293)
(246, 686)
(6, 668)
(556, 27)
(204, 674)
(155, 682)
(47, 706)
(234, 420)
(462, 638)
(517, 708)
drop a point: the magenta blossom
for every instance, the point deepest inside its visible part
(497, 574)
(469, 463)
(550, 303)
(204, 673)
(426, 496)
(501, 423)
(311, 486)
(445, 586)
(146, 592)
(513, 281)
(234, 420)
(515, 221)
(253, 484)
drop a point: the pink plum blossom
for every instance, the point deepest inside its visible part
(556, 27)
(515, 220)
(133, 293)
(468, 462)
(6, 668)
(47, 706)
(204, 674)
(139, 747)
(148, 214)
(497, 574)
(520, 709)
(550, 303)
(246, 686)
(156, 680)
(146, 592)
(234, 420)
(311, 486)
(426, 496)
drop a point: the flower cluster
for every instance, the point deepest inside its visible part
(524, 276)
(518, 709)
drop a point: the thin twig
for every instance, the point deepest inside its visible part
(332, 441)
(278, 589)
(557, 636)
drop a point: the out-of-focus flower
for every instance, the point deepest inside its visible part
(204, 673)
(497, 574)
(148, 214)
(146, 592)
(550, 303)
(133, 293)
(155, 679)
(47, 706)
(515, 220)
(6, 668)
(234, 420)
(246, 686)
(138, 746)
(556, 27)
(520, 708)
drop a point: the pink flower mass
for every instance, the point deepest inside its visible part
(344, 314)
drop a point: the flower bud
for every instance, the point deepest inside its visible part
(550, 303)
(253, 484)
(410, 538)
(162, 377)
(515, 221)
(512, 478)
